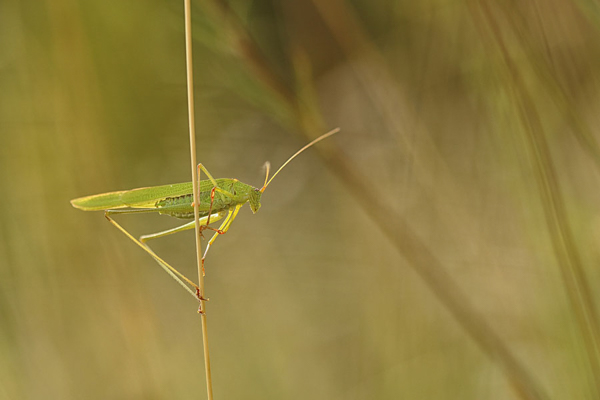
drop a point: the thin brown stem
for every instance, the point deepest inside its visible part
(192, 129)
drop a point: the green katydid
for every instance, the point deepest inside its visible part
(219, 199)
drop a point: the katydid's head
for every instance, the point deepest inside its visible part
(254, 199)
(256, 205)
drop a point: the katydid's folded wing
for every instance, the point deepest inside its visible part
(138, 198)
(104, 201)
(147, 197)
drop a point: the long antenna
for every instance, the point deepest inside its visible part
(324, 136)
(267, 167)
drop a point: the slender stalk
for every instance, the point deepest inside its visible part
(192, 127)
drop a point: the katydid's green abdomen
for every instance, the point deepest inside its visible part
(178, 207)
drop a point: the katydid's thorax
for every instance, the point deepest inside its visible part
(230, 194)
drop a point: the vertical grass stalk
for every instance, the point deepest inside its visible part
(192, 129)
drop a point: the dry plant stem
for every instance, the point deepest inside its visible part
(192, 126)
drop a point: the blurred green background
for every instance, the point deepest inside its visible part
(444, 245)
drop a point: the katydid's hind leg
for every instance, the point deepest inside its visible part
(221, 231)
(179, 277)
(184, 227)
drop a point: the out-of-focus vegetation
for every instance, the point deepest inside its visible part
(444, 245)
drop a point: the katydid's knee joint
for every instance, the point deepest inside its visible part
(199, 296)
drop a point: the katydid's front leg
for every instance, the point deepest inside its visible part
(212, 197)
(222, 230)
(230, 216)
